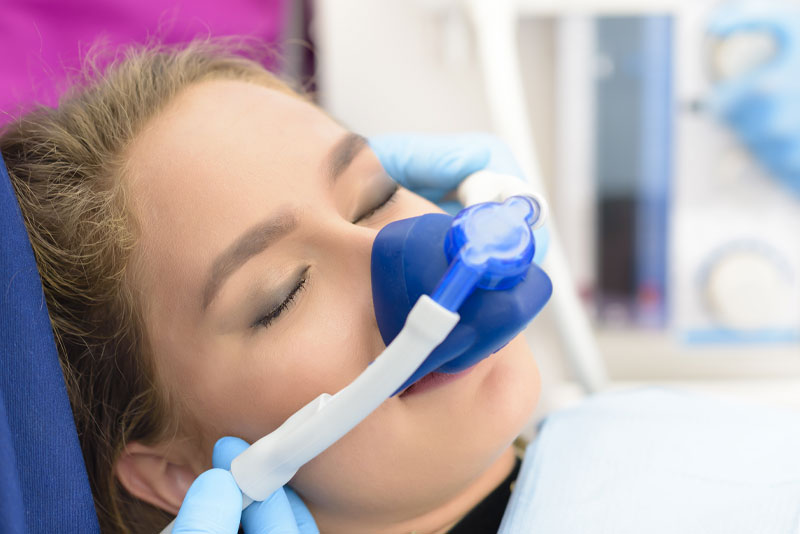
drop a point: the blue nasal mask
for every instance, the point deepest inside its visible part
(489, 247)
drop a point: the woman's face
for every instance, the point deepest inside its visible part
(257, 215)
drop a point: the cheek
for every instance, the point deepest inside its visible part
(515, 383)
(320, 346)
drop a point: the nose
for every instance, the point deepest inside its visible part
(351, 246)
(346, 249)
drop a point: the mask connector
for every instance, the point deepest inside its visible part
(490, 246)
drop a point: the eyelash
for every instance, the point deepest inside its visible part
(380, 206)
(269, 318)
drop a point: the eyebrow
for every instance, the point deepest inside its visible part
(343, 153)
(255, 240)
(262, 235)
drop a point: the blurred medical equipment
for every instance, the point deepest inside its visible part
(691, 236)
(660, 461)
(423, 270)
(495, 26)
(632, 168)
(735, 254)
(756, 62)
(442, 78)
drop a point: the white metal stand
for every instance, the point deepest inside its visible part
(495, 24)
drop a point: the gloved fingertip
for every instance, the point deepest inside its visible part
(226, 449)
(212, 505)
(271, 516)
(302, 515)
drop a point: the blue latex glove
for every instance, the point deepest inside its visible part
(213, 504)
(432, 165)
(763, 105)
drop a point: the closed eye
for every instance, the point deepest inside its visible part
(269, 318)
(392, 193)
(287, 303)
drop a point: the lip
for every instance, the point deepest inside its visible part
(434, 380)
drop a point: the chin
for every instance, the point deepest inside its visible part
(487, 409)
(495, 399)
(511, 386)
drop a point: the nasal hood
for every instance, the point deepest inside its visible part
(409, 260)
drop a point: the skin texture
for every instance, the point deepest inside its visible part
(222, 158)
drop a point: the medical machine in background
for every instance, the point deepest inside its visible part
(736, 230)
(632, 168)
(688, 231)
(448, 292)
(623, 148)
(534, 72)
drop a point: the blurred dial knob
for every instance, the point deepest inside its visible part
(741, 52)
(747, 289)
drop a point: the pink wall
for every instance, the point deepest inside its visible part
(41, 41)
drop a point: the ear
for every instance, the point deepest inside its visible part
(147, 473)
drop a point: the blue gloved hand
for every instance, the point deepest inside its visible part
(432, 165)
(213, 504)
(763, 105)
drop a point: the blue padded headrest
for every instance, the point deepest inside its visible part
(43, 482)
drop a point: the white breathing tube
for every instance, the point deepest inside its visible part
(327, 418)
(272, 461)
(269, 463)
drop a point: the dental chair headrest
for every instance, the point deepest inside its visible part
(43, 482)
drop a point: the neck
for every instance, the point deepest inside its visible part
(445, 516)
(455, 510)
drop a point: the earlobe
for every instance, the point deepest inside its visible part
(147, 474)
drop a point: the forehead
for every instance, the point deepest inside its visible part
(215, 125)
(226, 143)
(222, 156)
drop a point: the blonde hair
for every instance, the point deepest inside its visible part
(66, 167)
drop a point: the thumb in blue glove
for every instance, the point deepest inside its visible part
(213, 504)
(429, 165)
(282, 513)
(433, 165)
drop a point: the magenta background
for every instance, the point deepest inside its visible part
(42, 40)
